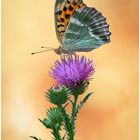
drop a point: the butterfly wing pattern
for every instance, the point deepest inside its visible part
(78, 27)
(64, 10)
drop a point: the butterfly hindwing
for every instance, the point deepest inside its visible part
(86, 31)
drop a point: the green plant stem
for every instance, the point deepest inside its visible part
(73, 113)
(67, 123)
(56, 134)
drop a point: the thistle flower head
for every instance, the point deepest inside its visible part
(72, 71)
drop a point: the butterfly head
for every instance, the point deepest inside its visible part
(58, 51)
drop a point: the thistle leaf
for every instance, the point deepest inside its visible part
(35, 138)
(82, 103)
(66, 105)
(44, 123)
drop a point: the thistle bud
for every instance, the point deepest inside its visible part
(58, 95)
(54, 119)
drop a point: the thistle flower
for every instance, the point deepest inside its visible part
(73, 72)
(58, 95)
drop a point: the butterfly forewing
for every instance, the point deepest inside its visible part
(64, 10)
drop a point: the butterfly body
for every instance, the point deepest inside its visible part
(78, 27)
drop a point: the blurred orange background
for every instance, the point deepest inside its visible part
(110, 114)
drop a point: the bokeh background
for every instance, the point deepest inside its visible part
(110, 114)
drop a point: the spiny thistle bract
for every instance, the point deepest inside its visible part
(80, 88)
(58, 95)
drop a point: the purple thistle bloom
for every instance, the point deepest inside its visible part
(72, 70)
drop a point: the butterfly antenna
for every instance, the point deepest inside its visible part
(50, 49)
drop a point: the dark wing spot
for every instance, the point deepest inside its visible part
(61, 31)
(61, 25)
(56, 13)
(75, 3)
(65, 8)
(70, 8)
(60, 12)
(62, 20)
(67, 16)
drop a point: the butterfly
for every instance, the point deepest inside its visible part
(79, 28)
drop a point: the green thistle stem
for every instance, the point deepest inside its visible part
(68, 126)
(73, 113)
(56, 134)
